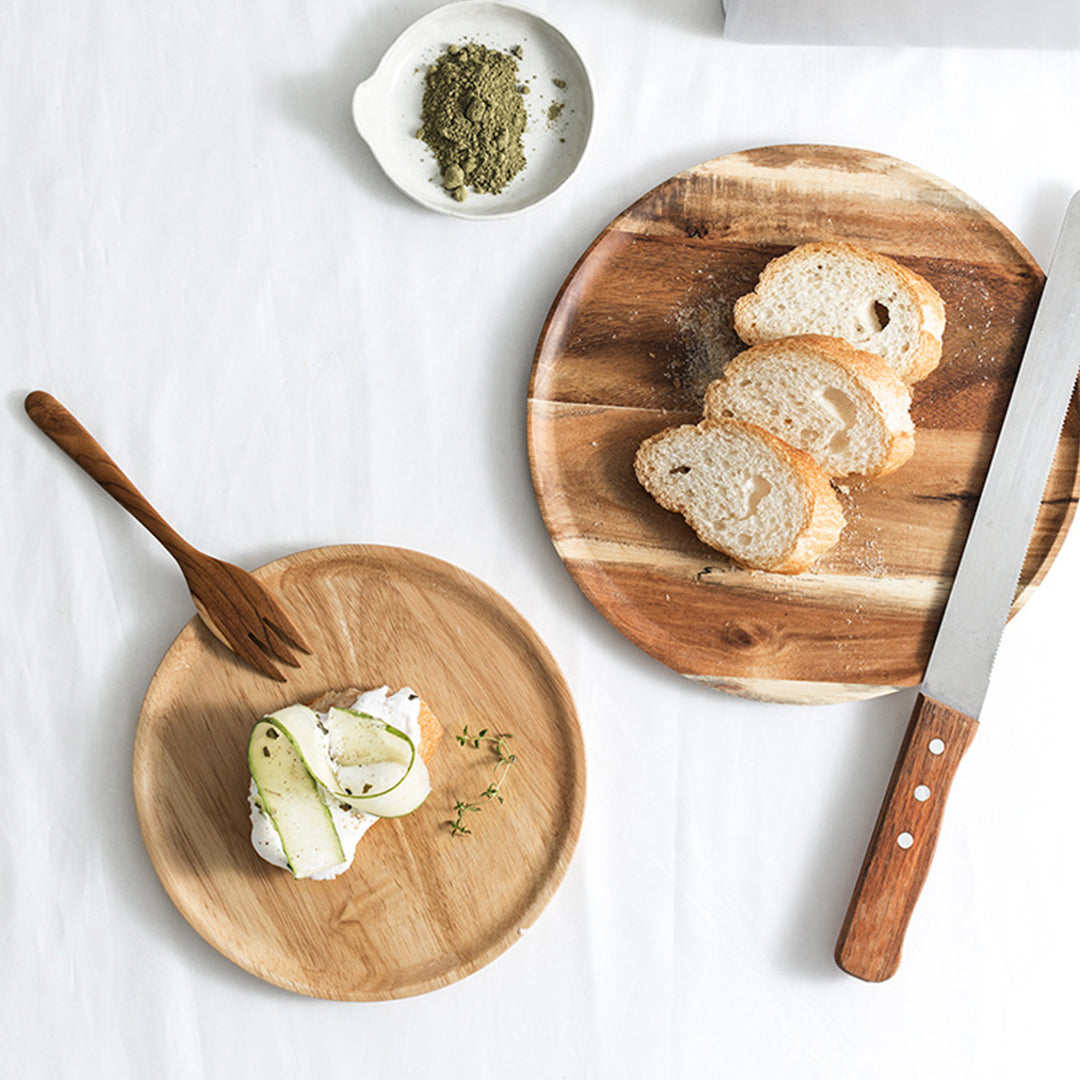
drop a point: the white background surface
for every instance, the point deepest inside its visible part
(199, 257)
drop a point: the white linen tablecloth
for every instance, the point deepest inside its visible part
(1049, 24)
(200, 257)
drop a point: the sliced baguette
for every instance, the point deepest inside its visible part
(844, 291)
(744, 492)
(846, 408)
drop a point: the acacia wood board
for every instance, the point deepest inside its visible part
(419, 908)
(644, 322)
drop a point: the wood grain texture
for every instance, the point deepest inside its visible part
(643, 323)
(240, 612)
(419, 908)
(902, 845)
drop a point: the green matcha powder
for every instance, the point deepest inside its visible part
(473, 117)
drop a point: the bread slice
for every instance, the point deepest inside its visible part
(744, 492)
(350, 823)
(844, 291)
(846, 408)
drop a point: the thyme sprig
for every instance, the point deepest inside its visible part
(493, 792)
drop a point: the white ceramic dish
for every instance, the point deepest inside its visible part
(386, 107)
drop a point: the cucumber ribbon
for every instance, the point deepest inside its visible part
(375, 769)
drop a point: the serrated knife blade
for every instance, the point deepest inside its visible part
(983, 589)
(951, 696)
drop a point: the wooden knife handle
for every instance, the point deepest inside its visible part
(902, 846)
(79, 445)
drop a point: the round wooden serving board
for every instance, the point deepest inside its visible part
(641, 326)
(419, 908)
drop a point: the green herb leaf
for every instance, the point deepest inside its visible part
(493, 793)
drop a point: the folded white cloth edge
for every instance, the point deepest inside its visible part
(1051, 24)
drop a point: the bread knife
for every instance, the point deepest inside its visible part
(950, 698)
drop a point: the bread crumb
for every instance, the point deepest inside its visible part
(706, 330)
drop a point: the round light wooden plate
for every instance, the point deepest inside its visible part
(643, 323)
(419, 908)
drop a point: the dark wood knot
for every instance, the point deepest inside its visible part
(742, 636)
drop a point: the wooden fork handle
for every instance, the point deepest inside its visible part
(79, 445)
(902, 845)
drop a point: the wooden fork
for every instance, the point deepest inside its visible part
(239, 611)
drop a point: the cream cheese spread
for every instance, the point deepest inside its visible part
(400, 709)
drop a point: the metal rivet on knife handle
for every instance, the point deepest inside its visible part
(903, 842)
(954, 686)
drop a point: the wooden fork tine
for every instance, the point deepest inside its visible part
(245, 601)
(239, 642)
(277, 633)
(263, 635)
(284, 627)
(273, 615)
(229, 601)
(280, 645)
(253, 653)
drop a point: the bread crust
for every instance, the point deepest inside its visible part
(823, 517)
(925, 352)
(888, 394)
